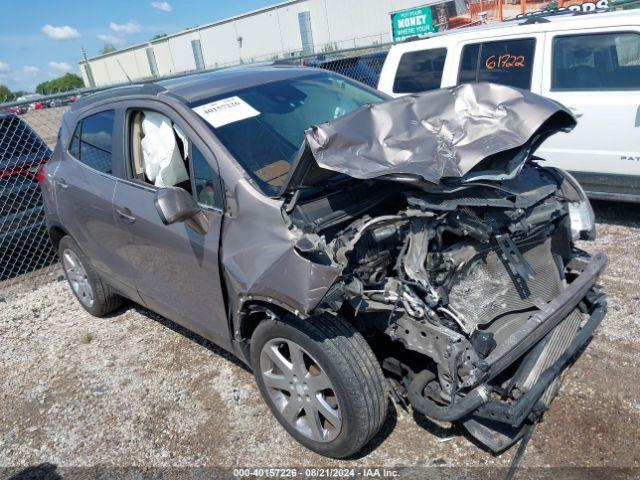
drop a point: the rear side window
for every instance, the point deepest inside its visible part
(95, 144)
(602, 61)
(74, 147)
(420, 71)
(507, 62)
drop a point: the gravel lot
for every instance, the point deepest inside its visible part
(136, 389)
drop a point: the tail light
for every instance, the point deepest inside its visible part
(39, 175)
(33, 170)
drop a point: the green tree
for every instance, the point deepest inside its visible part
(107, 48)
(69, 81)
(6, 95)
(160, 35)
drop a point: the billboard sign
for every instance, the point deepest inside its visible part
(411, 23)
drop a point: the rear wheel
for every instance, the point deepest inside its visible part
(95, 296)
(321, 381)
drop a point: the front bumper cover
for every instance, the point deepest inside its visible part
(498, 424)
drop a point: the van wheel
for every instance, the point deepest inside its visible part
(95, 296)
(321, 381)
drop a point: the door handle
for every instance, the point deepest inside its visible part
(62, 183)
(125, 215)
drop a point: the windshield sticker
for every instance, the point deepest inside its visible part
(226, 111)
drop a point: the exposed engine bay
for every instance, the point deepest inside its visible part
(427, 223)
(451, 275)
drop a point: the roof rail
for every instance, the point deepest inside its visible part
(536, 19)
(542, 16)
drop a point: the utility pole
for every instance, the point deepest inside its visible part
(87, 69)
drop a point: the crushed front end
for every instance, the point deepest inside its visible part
(472, 292)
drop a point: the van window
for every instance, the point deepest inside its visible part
(508, 62)
(420, 71)
(601, 61)
(95, 141)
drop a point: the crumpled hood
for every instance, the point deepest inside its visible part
(487, 129)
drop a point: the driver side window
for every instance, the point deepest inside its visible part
(161, 155)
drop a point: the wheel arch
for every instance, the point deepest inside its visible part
(56, 233)
(251, 313)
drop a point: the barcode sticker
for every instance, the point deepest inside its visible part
(226, 111)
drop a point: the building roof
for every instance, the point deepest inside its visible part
(194, 29)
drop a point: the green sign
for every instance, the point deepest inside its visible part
(411, 23)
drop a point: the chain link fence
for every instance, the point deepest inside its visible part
(28, 133)
(27, 138)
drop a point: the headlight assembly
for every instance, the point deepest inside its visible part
(581, 216)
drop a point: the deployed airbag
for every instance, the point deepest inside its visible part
(163, 162)
(436, 134)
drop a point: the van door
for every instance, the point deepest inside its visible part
(596, 74)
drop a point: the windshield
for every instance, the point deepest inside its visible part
(263, 126)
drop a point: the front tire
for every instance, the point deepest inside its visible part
(95, 296)
(321, 381)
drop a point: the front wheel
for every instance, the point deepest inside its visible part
(321, 381)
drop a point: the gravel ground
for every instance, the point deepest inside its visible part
(136, 389)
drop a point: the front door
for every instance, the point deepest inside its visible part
(175, 269)
(597, 76)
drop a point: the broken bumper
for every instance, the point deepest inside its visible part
(498, 424)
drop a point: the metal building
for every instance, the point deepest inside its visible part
(287, 29)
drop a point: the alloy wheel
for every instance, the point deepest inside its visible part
(300, 389)
(77, 276)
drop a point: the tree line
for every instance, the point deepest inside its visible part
(65, 83)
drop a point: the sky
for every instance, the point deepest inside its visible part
(42, 39)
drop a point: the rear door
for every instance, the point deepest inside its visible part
(176, 270)
(596, 73)
(85, 184)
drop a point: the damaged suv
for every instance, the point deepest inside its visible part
(346, 246)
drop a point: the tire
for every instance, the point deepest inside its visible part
(104, 299)
(333, 347)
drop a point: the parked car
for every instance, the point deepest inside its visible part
(16, 110)
(591, 63)
(34, 98)
(330, 237)
(24, 241)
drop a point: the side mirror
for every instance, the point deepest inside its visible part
(175, 204)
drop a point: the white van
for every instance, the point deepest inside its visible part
(590, 63)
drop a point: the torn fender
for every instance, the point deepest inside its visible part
(264, 264)
(484, 128)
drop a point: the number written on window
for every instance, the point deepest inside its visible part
(505, 61)
(508, 62)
